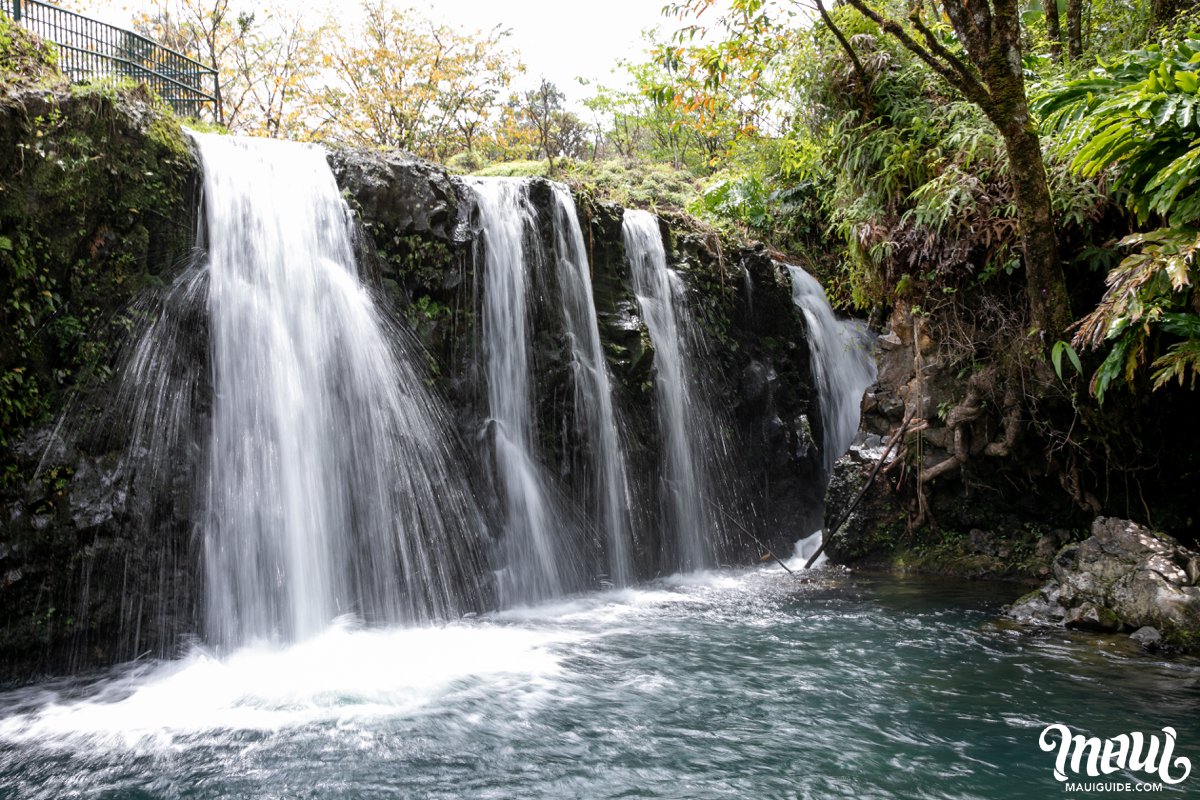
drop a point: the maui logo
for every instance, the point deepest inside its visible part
(1129, 751)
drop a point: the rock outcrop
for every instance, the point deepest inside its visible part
(865, 529)
(1125, 577)
(97, 189)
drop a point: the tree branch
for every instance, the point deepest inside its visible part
(863, 78)
(970, 84)
(952, 69)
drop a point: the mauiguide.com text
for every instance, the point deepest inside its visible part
(1112, 787)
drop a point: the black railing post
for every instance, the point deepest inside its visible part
(17, 10)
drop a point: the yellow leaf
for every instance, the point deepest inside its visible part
(1178, 272)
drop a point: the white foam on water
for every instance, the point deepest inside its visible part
(342, 675)
(803, 552)
(339, 675)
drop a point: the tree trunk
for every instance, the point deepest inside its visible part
(1049, 306)
(997, 52)
(1008, 109)
(992, 76)
(1053, 28)
(1075, 29)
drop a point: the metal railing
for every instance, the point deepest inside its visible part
(89, 49)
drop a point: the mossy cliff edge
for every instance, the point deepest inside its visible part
(96, 198)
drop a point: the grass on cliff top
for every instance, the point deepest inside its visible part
(630, 183)
(25, 59)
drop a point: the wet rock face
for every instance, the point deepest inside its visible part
(100, 564)
(88, 573)
(97, 565)
(397, 192)
(776, 413)
(859, 534)
(1124, 577)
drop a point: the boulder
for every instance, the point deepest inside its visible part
(1148, 638)
(1124, 577)
(1090, 617)
(857, 536)
(397, 192)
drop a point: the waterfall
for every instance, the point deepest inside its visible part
(843, 365)
(332, 484)
(534, 561)
(686, 486)
(593, 388)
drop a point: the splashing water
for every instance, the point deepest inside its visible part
(687, 488)
(713, 685)
(843, 364)
(332, 484)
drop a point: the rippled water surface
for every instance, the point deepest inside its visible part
(746, 685)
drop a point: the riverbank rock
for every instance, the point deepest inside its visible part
(1125, 577)
(870, 527)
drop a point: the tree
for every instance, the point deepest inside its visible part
(1053, 28)
(265, 60)
(542, 107)
(404, 81)
(1075, 29)
(209, 31)
(618, 120)
(721, 91)
(280, 62)
(569, 135)
(979, 55)
(510, 137)
(485, 69)
(989, 71)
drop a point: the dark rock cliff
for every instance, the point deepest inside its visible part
(100, 557)
(96, 200)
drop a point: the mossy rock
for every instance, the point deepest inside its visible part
(25, 59)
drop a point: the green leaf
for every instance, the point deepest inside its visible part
(1109, 369)
(1184, 116)
(1182, 324)
(1166, 111)
(1056, 353)
(1071, 354)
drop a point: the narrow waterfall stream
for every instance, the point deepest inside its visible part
(843, 364)
(332, 488)
(687, 491)
(593, 390)
(533, 537)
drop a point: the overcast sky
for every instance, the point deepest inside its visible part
(560, 41)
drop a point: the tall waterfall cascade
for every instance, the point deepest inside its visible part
(532, 539)
(519, 272)
(688, 499)
(331, 483)
(593, 389)
(843, 365)
(332, 487)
